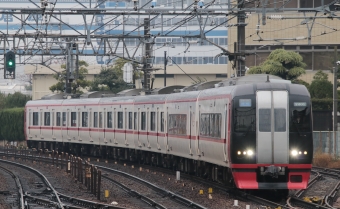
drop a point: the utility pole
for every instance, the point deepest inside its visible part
(147, 55)
(71, 66)
(165, 63)
(241, 35)
(335, 101)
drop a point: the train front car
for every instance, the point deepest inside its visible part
(271, 144)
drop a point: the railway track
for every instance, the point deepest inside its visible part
(294, 200)
(54, 199)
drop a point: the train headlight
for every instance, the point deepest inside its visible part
(250, 152)
(305, 152)
(294, 152)
(238, 152)
(244, 152)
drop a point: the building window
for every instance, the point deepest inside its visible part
(73, 119)
(58, 118)
(36, 118)
(120, 120)
(95, 119)
(143, 121)
(152, 121)
(177, 124)
(47, 121)
(109, 119)
(84, 121)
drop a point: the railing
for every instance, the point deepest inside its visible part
(324, 141)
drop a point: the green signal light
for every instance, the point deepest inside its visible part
(10, 63)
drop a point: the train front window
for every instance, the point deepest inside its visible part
(244, 119)
(300, 119)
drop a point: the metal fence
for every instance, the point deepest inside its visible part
(324, 141)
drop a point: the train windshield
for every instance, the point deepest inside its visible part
(300, 115)
(244, 116)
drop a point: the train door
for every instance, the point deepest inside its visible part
(53, 123)
(104, 125)
(157, 128)
(41, 123)
(190, 130)
(272, 132)
(198, 129)
(126, 125)
(226, 123)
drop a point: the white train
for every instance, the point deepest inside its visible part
(223, 133)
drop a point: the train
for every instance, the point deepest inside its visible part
(252, 132)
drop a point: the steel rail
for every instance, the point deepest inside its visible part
(60, 204)
(19, 186)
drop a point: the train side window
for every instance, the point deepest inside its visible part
(64, 119)
(152, 121)
(73, 119)
(162, 121)
(58, 119)
(130, 120)
(135, 120)
(47, 118)
(120, 120)
(84, 119)
(100, 120)
(210, 125)
(109, 119)
(95, 119)
(36, 118)
(143, 121)
(265, 120)
(280, 120)
(177, 124)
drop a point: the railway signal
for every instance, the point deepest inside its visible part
(10, 62)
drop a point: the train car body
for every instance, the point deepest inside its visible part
(255, 132)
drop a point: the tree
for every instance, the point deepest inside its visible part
(80, 82)
(111, 78)
(288, 65)
(320, 87)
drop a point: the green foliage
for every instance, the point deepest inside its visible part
(13, 100)
(111, 78)
(320, 87)
(302, 82)
(322, 104)
(285, 64)
(12, 124)
(80, 82)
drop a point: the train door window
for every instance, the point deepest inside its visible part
(265, 120)
(52, 118)
(84, 119)
(152, 121)
(64, 119)
(162, 121)
(73, 119)
(109, 119)
(280, 120)
(58, 119)
(35, 118)
(135, 120)
(100, 120)
(143, 121)
(95, 119)
(120, 120)
(130, 120)
(47, 118)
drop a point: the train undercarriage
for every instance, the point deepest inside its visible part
(202, 169)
